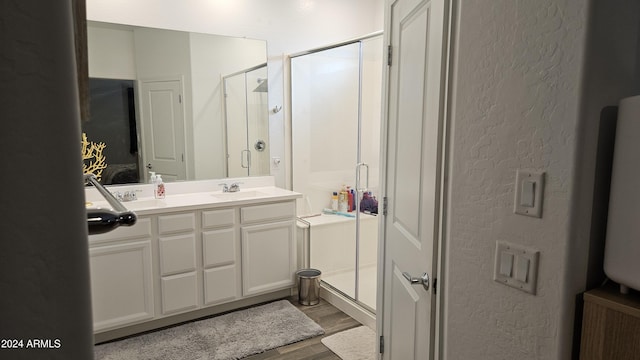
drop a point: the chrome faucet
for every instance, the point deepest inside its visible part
(130, 195)
(117, 195)
(234, 187)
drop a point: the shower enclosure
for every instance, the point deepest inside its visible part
(246, 122)
(336, 108)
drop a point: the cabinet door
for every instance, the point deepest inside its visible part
(177, 254)
(179, 293)
(268, 257)
(121, 284)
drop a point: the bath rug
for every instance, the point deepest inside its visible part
(231, 336)
(354, 344)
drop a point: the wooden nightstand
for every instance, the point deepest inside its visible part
(611, 325)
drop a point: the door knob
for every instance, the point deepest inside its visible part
(423, 280)
(149, 166)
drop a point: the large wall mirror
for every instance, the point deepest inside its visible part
(189, 106)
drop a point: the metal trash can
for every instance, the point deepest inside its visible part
(308, 286)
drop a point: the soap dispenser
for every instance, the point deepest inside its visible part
(159, 187)
(152, 177)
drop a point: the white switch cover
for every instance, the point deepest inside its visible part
(522, 269)
(522, 265)
(529, 191)
(506, 263)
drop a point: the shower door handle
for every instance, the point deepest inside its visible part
(248, 159)
(358, 187)
(423, 280)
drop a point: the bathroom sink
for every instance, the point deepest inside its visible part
(229, 196)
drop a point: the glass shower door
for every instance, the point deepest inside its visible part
(325, 91)
(246, 122)
(336, 99)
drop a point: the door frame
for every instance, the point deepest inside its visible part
(444, 191)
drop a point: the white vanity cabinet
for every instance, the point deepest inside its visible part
(122, 276)
(177, 258)
(178, 264)
(268, 247)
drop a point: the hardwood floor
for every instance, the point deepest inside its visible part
(329, 318)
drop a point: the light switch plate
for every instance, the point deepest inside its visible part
(529, 191)
(275, 163)
(524, 272)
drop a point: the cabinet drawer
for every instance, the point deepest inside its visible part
(218, 218)
(219, 247)
(177, 254)
(220, 284)
(268, 212)
(141, 229)
(179, 293)
(176, 223)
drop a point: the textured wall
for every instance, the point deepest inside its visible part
(516, 91)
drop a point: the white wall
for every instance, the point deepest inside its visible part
(523, 98)
(111, 52)
(515, 105)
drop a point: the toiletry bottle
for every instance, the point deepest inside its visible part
(349, 199)
(334, 201)
(159, 187)
(343, 201)
(353, 202)
(152, 177)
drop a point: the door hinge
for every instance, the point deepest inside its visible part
(389, 54)
(180, 98)
(384, 206)
(182, 157)
(381, 344)
(435, 286)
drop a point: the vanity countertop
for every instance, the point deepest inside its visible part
(202, 199)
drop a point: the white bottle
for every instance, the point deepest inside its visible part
(159, 187)
(152, 177)
(334, 201)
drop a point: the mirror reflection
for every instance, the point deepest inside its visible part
(189, 106)
(246, 98)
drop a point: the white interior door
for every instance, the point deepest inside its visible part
(415, 29)
(162, 119)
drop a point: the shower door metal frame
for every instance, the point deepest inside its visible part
(359, 162)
